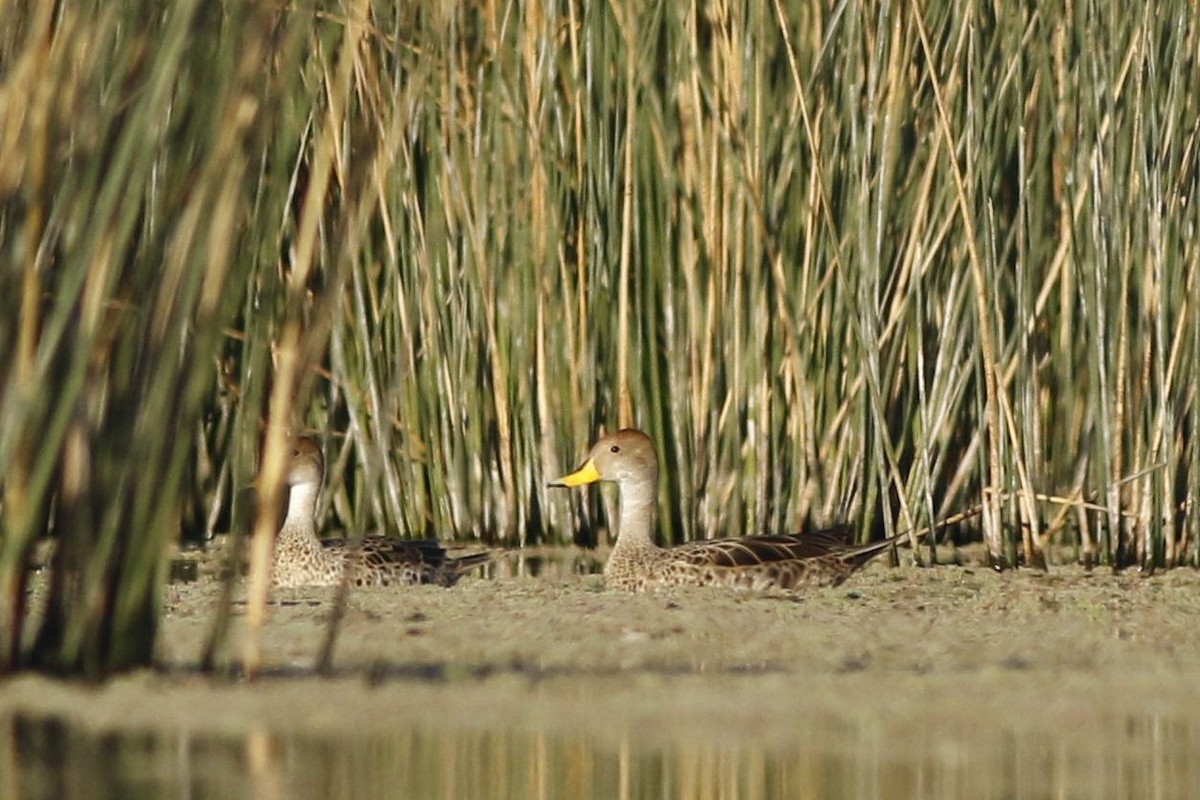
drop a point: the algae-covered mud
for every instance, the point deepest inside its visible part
(946, 681)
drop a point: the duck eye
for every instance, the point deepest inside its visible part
(616, 448)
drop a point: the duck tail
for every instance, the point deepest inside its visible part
(461, 564)
(448, 573)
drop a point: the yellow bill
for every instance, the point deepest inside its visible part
(585, 474)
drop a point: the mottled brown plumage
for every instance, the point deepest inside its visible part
(302, 559)
(783, 562)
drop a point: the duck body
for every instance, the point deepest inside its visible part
(302, 559)
(789, 563)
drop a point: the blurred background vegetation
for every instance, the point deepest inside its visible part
(843, 261)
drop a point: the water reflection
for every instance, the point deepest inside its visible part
(550, 562)
(1148, 756)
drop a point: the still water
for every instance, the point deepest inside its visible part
(1131, 756)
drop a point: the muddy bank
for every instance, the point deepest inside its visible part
(945, 646)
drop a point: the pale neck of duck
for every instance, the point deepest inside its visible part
(300, 522)
(635, 525)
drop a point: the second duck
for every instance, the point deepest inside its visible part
(302, 559)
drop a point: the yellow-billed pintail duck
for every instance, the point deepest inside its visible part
(302, 559)
(787, 563)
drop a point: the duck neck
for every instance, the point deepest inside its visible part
(635, 524)
(299, 526)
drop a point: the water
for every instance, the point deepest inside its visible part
(1130, 756)
(712, 698)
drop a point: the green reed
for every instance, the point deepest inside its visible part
(848, 262)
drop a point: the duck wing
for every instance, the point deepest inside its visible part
(385, 560)
(749, 551)
(788, 562)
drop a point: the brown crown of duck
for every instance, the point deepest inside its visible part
(783, 562)
(302, 559)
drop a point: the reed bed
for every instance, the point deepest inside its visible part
(843, 262)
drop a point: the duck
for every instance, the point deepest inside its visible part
(787, 563)
(301, 558)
